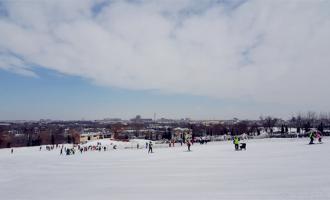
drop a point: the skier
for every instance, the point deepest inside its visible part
(68, 151)
(319, 137)
(150, 147)
(236, 142)
(12, 151)
(311, 137)
(188, 144)
(61, 152)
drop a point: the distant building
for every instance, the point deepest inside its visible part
(92, 134)
(181, 134)
(139, 120)
(85, 137)
(110, 121)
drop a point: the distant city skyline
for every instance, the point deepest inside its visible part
(72, 60)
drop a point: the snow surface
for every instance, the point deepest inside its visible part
(269, 169)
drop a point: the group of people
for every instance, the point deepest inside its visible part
(315, 136)
(238, 145)
(52, 147)
(82, 149)
(149, 145)
(68, 151)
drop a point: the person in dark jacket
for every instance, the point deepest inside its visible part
(311, 137)
(150, 147)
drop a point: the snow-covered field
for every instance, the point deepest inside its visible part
(269, 169)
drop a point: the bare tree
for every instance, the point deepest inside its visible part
(268, 122)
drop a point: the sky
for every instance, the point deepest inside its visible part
(211, 59)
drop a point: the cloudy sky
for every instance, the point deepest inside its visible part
(210, 59)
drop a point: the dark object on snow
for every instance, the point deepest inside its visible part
(242, 146)
(311, 139)
(68, 152)
(150, 147)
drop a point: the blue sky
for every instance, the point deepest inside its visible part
(57, 96)
(199, 59)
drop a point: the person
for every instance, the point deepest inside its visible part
(236, 142)
(311, 137)
(61, 152)
(150, 147)
(12, 151)
(68, 151)
(137, 145)
(318, 136)
(40, 148)
(147, 145)
(188, 144)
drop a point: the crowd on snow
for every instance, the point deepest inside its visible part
(78, 148)
(238, 145)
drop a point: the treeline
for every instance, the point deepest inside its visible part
(34, 136)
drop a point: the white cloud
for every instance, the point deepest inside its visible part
(16, 65)
(267, 51)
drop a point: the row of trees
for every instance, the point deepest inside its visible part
(31, 134)
(35, 139)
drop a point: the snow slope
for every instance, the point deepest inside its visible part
(269, 169)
